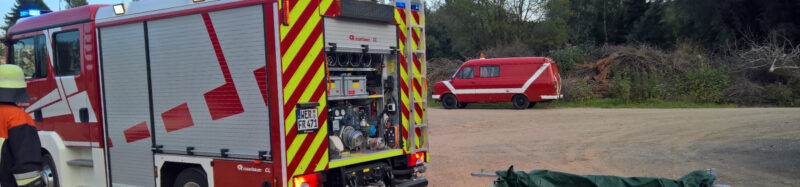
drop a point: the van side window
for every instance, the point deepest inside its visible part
(29, 54)
(68, 53)
(490, 71)
(466, 73)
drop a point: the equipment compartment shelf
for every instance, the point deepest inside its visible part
(335, 98)
(353, 69)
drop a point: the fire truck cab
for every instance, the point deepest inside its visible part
(228, 92)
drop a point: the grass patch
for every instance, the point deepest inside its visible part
(619, 103)
(602, 103)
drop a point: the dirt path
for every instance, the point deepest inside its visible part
(748, 147)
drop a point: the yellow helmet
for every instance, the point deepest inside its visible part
(12, 84)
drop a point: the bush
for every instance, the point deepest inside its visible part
(779, 94)
(578, 90)
(621, 89)
(703, 85)
(745, 92)
(567, 58)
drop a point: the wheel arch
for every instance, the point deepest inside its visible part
(526, 95)
(170, 170)
(169, 166)
(53, 145)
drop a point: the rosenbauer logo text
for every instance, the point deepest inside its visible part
(251, 169)
(362, 39)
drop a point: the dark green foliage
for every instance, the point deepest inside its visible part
(704, 85)
(578, 90)
(780, 94)
(462, 28)
(568, 57)
(12, 16)
(716, 24)
(621, 88)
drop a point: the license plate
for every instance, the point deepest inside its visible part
(307, 120)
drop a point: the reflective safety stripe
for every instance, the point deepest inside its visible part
(23, 182)
(2, 142)
(12, 79)
(23, 176)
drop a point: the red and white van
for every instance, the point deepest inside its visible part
(521, 81)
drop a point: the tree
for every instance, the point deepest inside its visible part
(717, 24)
(13, 16)
(75, 3)
(465, 27)
(651, 27)
(552, 32)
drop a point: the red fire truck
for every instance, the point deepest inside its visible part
(228, 92)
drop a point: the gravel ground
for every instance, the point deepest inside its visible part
(746, 146)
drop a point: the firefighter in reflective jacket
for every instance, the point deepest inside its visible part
(21, 156)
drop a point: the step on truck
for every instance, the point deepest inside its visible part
(228, 92)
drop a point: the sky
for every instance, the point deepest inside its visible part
(6, 5)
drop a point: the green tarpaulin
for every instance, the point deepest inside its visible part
(545, 178)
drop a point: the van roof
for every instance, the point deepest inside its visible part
(75, 15)
(513, 60)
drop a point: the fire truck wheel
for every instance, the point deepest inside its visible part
(191, 177)
(520, 102)
(532, 105)
(449, 101)
(462, 105)
(49, 171)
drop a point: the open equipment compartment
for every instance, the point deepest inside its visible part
(362, 97)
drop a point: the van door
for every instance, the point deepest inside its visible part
(464, 81)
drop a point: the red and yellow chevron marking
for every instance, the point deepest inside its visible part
(303, 59)
(416, 87)
(400, 18)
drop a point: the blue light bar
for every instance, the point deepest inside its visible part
(30, 12)
(403, 5)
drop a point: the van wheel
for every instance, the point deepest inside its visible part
(532, 105)
(462, 105)
(191, 177)
(520, 102)
(49, 171)
(449, 101)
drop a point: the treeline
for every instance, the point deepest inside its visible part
(462, 28)
(721, 51)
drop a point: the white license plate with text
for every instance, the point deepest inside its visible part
(307, 120)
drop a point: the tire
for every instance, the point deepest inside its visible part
(449, 101)
(462, 105)
(532, 105)
(191, 177)
(49, 171)
(520, 102)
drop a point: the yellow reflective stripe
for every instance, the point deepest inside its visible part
(27, 181)
(2, 142)
(365, 158)
(8, 83)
